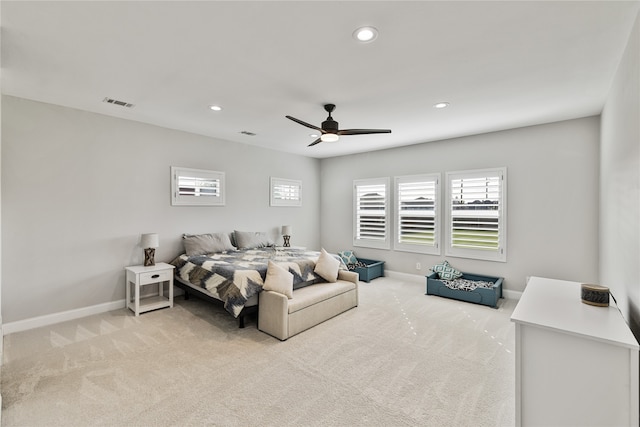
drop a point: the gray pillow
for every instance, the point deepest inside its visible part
(252, 239)
(200, 244)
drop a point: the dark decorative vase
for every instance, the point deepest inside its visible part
(149, 257)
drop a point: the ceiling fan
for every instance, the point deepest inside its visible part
(329, 129)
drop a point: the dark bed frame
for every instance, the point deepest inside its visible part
(188, 291)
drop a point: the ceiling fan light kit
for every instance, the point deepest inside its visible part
(329, 137)
(330, 131)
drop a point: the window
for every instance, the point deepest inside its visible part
(196, 187)
(286, 192)
(370, 219)
(477, 214)
(417, 214)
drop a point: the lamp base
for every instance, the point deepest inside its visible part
(149, 257)
(286, 241)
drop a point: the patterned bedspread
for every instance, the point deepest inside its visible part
(235, 276)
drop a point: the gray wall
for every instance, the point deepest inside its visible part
(79, 188)
(620, 185)
(552, 198)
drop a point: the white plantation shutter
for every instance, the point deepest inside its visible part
(476, 220)
(417, 218)
(197, 187)
(371, 200)
(286, 192)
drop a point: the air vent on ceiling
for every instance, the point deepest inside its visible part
(246, 132)
(117, 102)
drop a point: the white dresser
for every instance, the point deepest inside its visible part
(576, 364)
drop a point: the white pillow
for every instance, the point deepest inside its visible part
(278, 280)
(327, 266)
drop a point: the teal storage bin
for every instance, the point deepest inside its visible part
(372, 270)
(484, 296)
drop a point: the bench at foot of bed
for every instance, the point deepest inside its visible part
(282, 317)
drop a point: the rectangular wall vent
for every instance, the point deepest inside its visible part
(116, 102)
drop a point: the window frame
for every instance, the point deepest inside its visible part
(277, 182)
(178, 199)
(383, 243)
(500, 254)
(434, 249)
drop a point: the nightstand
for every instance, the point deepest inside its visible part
(139, 276)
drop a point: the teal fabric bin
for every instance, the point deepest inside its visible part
(372, 270)
(484, 296)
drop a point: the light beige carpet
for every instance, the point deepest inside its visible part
(399, 359)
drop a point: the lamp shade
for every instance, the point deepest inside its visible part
(286, 230)
(150, 240)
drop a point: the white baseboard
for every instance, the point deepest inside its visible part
(511, 294)
(50, 319)
(407, 277)
(417, 278)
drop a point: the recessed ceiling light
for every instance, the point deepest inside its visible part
(441, 105)
(365, 34)
(215, 107)
(314, 135)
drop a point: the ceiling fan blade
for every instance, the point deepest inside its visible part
(304, 123)
(317, 141)
(362, 131)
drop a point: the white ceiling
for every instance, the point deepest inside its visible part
(500, 65)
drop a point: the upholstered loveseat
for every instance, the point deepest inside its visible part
(283, 317)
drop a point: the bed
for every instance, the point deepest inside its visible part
(234, 277)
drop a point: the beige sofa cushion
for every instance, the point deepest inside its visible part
(319, 292)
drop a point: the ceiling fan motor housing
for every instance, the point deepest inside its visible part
(330, 125)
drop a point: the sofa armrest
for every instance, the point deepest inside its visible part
(273, 314)
(349, 276)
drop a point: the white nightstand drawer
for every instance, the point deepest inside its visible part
(155, 276)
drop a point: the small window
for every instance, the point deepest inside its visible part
(417, 214)
(196, 187)
(371, 216)
(477, 214)
(286, 192)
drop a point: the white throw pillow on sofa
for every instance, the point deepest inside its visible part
(327, 266)
(278, 280)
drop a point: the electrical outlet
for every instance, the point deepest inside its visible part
(418, 266)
